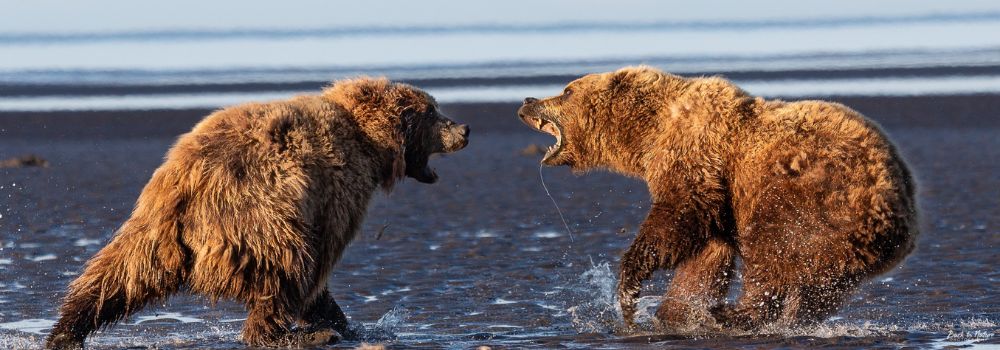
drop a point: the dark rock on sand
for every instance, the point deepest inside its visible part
(28, 160)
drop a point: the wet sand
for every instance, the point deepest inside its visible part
(481, 258)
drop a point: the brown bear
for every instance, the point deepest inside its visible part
(810, 195)
(257, 204)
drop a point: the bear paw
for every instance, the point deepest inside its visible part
(314, 337)
(64, 341)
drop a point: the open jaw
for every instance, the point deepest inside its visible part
(549, 127)
(419, 170)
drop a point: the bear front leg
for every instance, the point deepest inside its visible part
(699, 283)
(324, 312)
(666, 237)
(269, 324)
(638, 264)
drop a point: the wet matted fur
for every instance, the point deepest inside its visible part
(256, 204)
(810, 195)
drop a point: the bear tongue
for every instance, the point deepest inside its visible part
(549, 128)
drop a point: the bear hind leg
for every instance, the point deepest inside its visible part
(85, 310)
(814, 304)
(756, 306)
(112, 287)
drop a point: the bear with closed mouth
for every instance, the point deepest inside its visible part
(811, 196)
(256, 204)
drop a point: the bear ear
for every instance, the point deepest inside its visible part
(617, 81)
(280, 132)
(637, 77)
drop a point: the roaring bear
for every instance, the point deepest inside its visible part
(811, 196)
(256, 204)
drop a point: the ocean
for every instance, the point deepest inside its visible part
(112, 43)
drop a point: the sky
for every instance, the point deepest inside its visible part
(59, 16)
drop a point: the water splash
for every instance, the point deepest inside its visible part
(598, 310)
(20, 341)
(385, 328)
(30, 334)
(961, 332)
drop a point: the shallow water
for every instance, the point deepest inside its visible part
(482, 258)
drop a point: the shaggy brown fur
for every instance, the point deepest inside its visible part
(810, 195)
(256, 204)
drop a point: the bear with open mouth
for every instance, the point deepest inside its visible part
(256, 204)
(811, 196)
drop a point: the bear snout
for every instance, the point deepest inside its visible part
(462, 130)
(456, 137)
(527, 113)
(528, 109)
